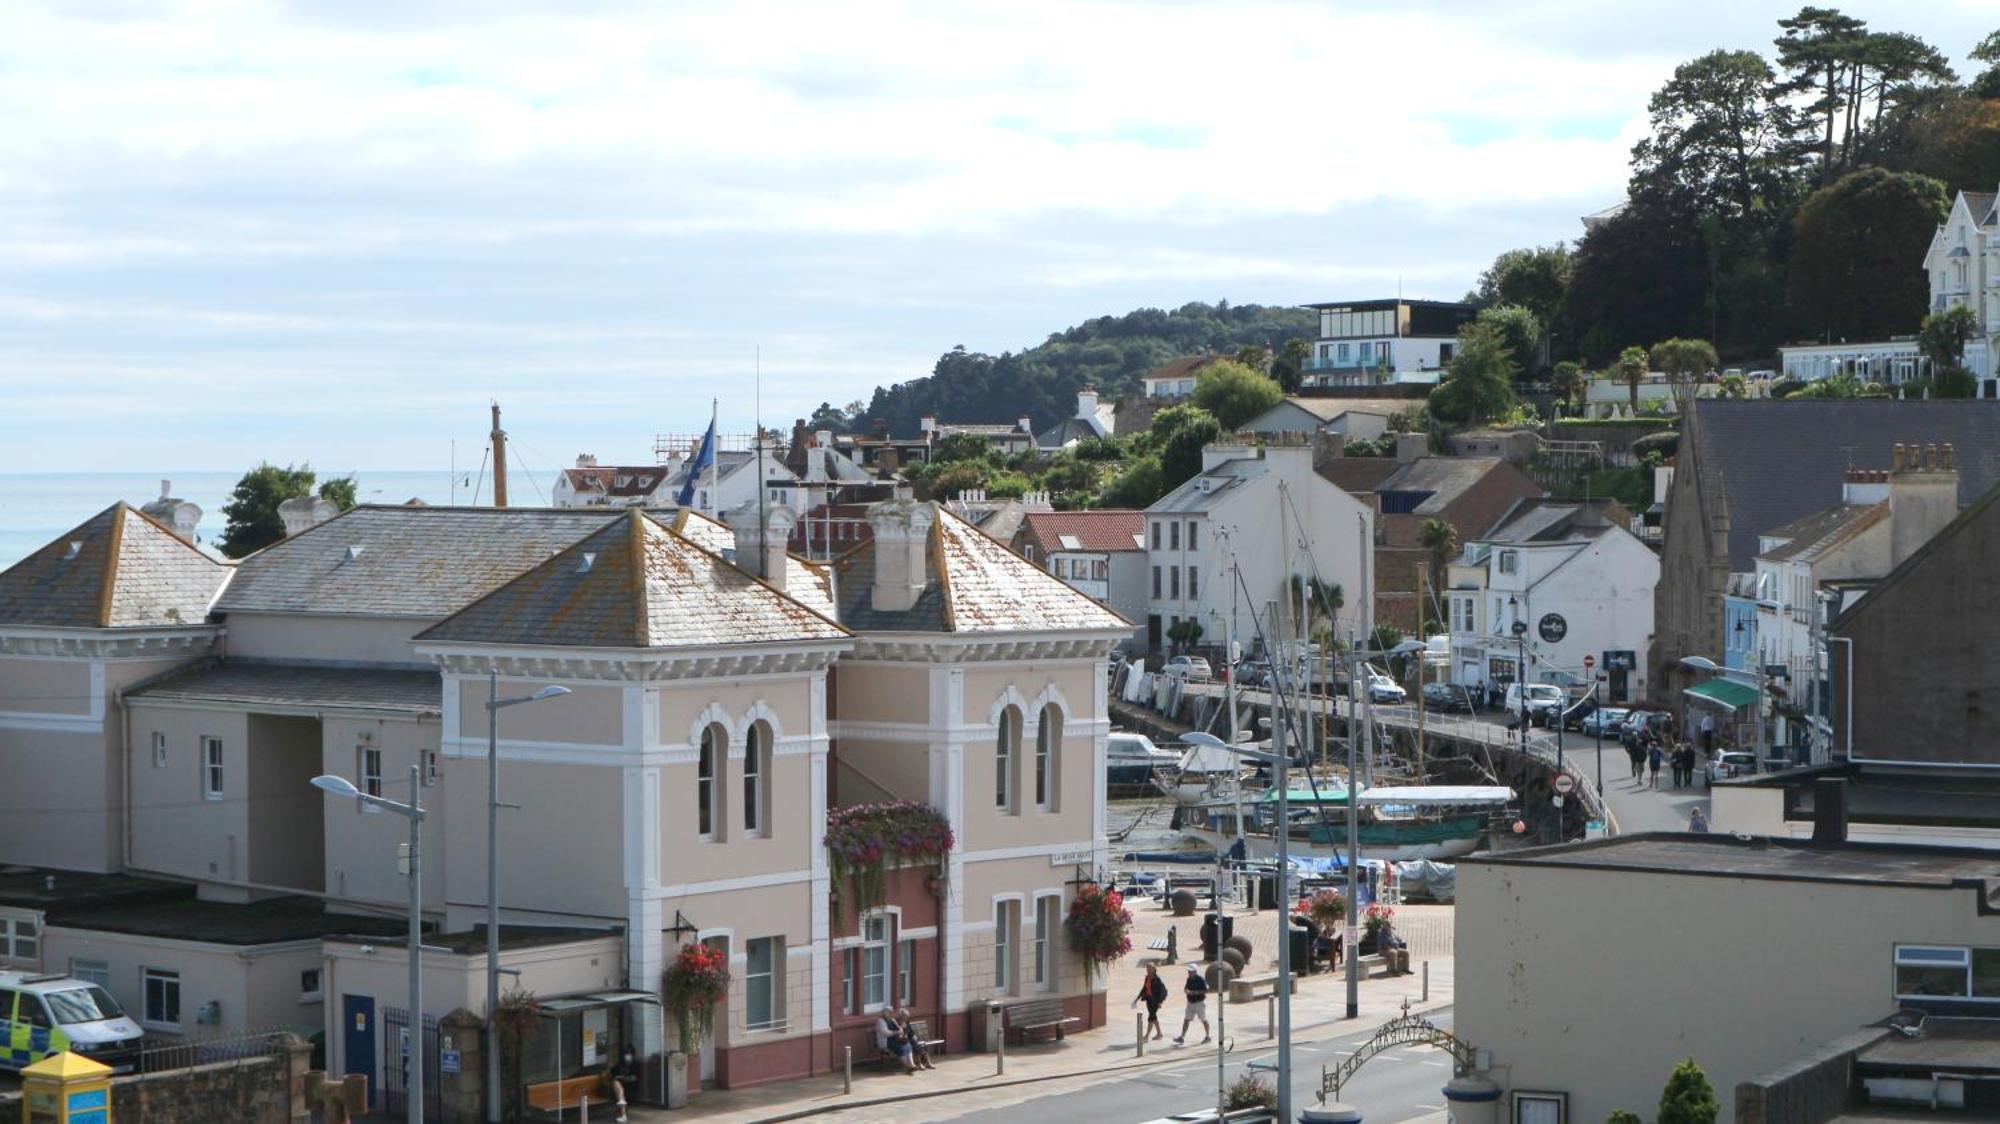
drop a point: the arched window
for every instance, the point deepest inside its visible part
(756, 778)
(1048, 757)
(708, 772)
(1006, 756)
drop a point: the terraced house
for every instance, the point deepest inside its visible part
(723, 697)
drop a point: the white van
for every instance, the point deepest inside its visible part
(45, 1015)
(1544, 700)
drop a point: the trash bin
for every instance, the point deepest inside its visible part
(987, 1026)
(1302, 948)
(1211, 935)
(1267, 890)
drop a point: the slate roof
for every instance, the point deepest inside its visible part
(805, 582)
(1773, 462)
(412, 561)
(1223, 479)
(1545, 521)
(1981, 203)
(1327, 409)
(617, 480)
(1821, 531)
(288, 687)
(634, 584)
(977, 585)
(1106, 531)
(127, 572)
(1426, 485)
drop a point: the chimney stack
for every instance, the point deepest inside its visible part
(761, 538)
(1865, 485)
(1829, 812)
(1086, 403)
(1923, 497)
(1412, 446)
(303, 513)
(902, 533)
(1025, 424)
(178, 515)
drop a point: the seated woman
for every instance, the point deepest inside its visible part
(623, 1077)
(889, 1039)
(919, 1053)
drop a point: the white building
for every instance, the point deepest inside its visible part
(1093, 418)
(1363, 343)
(1576, 581)
(1259, 510)
(590, 484)
(1100, 554)
(733, 482)
(1324, 415)
(1174, 379)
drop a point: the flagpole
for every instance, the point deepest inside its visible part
(763, 486)
(714, 458)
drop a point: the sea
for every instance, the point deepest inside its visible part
(35, 508)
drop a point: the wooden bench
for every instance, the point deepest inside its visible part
(1037, 1014)
(889, 1059)
(1399, 966)
(554, 1098)
(1245, 989)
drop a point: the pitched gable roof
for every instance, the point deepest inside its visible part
(805, 582)
(634, 584)
(976, 585)
(1181, 368)
(399, 561)
(617, 480)
(1807, 538)
(1105, 531)
(1772, 462)
(118, 569)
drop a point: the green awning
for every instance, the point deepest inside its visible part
(1725, 693)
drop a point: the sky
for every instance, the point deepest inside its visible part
(243, 230)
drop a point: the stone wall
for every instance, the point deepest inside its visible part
(251, 1090)
(1814, 1088)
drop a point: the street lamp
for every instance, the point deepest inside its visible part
(494, 703)
(413, 1084)
(1704, 664)
(1356, 660)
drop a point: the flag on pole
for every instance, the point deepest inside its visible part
(704, 459)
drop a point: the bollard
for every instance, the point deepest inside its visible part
(1141, 1047)
(847, 1069)
(1271, 1014)
(1000, 1055)
(1427, 981)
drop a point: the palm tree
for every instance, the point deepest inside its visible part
(1441, 539)
(1632, 364)
(1569, 382)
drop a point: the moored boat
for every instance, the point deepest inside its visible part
(1397, 823)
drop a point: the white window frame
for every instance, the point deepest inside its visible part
(906, 970)
(850, 981)
(1933, 956)
(876, 934)
(316, 992)
(1510, 561)
(773, 976)
(1006, 751)
(1048, 758)
(21, 937)
(92, 971)
(1526, 1098)
(756, 780)
(709, 756)
(368, 769)
(159, 749)
(1048, 918)
(167, 977)
(212, 775)
(1006, 944)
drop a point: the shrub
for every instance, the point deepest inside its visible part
(1250, 1091)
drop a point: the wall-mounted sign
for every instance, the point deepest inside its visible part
(1552, 628)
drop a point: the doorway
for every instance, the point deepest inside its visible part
(357, 1021)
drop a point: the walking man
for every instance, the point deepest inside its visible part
(1153, 993)
(1708, 733)
(1196, 991)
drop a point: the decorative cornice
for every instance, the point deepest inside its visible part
(617, 666)
(110, 643)
(952, 648)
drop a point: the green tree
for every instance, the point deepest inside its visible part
(1623, 1117)
(962, 447)
(1440, 539)
(1479, 384)
(1633, 366)
(1688, 1097)
(1816, 49)
(1943, 338)
(1850, 269)
(1569, 382)
(1724, 138)
(956, 477)
(1178, 435)
(1684, 362)
(1184, 632)
(341, 491)
(1536, 279)
(1289, 368)
(1140, 483)
(1518, 331)
(1987, 84)
(1235, 393)
(251, 515)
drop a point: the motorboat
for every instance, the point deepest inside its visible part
(1395, 823)
(1132, 761)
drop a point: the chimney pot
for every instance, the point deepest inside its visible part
(901, 529)
(1896, 457)
(762, 532)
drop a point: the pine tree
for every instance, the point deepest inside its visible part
(1688, 1097)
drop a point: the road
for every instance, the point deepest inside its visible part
(1403, 1083)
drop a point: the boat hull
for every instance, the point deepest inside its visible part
(1448, 839)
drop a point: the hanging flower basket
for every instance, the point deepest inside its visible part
(694, 983)
(1327, 909)
(864, 841)
(1100, 927)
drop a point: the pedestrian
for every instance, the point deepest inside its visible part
(1653, 761)
(1196, 991)
(1636, 754)
(1708, 733)
(1687, 765)
(623, 1076)
(1697, 822)
(914, 1042)
(1153, 993)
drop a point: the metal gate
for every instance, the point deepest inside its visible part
(395, 1070)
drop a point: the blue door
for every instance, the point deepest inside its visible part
(357, 1020)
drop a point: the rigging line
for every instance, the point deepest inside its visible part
(481, 484)
(519, 460)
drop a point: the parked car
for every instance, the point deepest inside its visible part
(1731, 763)
(1605, 721)
(1543, 699)
(1382, 689)
(1574, 714)
(1641, 721)
(1448, 697)
(1195, 669)
(1253, 673)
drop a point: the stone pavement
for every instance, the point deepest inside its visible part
(969, 1082)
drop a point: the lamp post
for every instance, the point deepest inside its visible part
(1358, 659)
(1703, 663)
(413, 1084)
(494, 703)
(1520, 631)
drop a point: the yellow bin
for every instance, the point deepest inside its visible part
(66, 1088)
